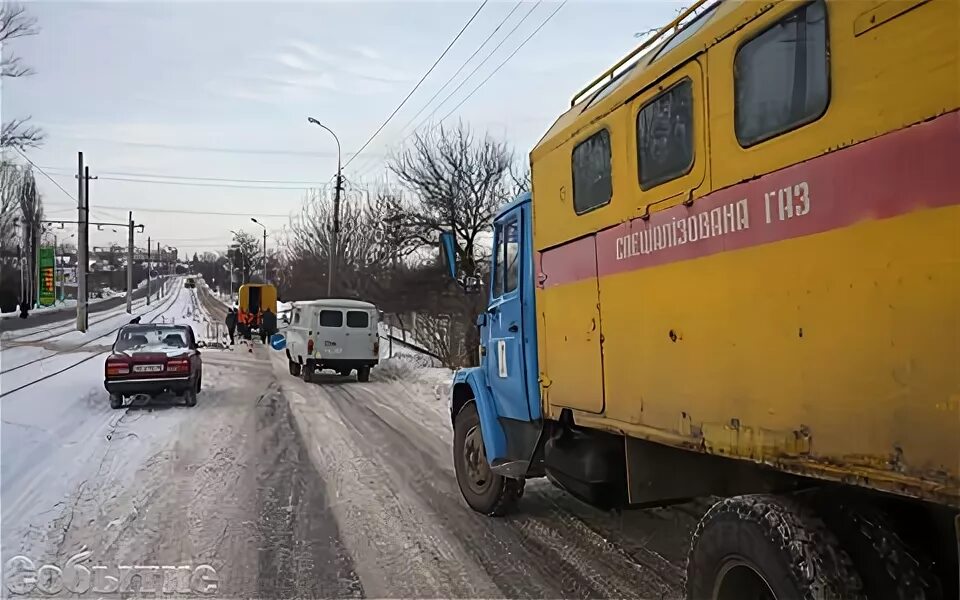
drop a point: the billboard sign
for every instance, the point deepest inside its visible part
(48, 288)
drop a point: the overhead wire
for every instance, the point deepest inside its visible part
(195, 177)
(500, 66)
(45, 174)
(366, 168)
(471, 74)
(417, 86)
(195, 212)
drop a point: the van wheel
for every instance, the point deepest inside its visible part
(363, 374)
(770, 548)
(306, 372)
(294, 368)
(116, 401)
(485, 491)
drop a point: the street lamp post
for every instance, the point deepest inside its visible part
(264, 247)
(336, 208)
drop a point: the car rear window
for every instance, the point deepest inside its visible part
(152, 338)
(331, 318)
(358, 319)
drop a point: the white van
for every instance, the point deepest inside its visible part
(339, 335)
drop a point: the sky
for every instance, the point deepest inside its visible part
(222, 91)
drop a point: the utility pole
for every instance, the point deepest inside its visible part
(159, 282)
(82, 262)
(336, 229)
(130, 262)
(149, 268)
(335, 234)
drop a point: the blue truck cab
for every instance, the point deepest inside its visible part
(495, 407)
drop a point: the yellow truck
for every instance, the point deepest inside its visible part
(739, 275)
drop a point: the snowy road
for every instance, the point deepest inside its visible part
(289, 489)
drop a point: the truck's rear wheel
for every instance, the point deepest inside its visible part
(294, 368)
(891, 568)
(363, 374)
(485, 491)
(767, 547)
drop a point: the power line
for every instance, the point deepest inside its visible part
(216, 149)
(430, 70)
(26, 158)
(195, 212)
(201, 184)
(494, 72)
(459, 70)
(197, 177)
(468, 77)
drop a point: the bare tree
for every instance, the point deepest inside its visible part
(458, 181)
(520, 178)
(247, 254)
(15, 23)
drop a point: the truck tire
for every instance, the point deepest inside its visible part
(363, 374)
(890, 567)
(485, 491)
(768, 547)
(294, 368)
(116, 401)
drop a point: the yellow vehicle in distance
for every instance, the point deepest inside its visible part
(254, 299)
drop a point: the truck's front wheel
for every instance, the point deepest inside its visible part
(485, 491)
(770, 548)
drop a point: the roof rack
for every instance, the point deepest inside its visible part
(646, 44)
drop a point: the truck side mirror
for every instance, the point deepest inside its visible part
(448, 252)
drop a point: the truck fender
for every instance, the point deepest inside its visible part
(471, 385)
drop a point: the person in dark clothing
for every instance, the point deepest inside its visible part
(231, 322)
(268, 325)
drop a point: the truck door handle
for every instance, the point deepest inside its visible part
(513, 328)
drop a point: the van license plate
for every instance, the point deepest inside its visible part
(147, 368)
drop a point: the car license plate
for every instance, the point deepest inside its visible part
(147, 368)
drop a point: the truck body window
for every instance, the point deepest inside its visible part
(592, 182)
(331, 318)
(665, 136)
(358, 319)
(782, 76)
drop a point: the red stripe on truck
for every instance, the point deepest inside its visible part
(911, 169)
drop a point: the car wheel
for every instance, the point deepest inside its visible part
(116, 401)
(485, 491)
(363, 374)
(190, 397)
(294, 368)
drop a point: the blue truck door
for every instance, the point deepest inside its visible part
(506, 371)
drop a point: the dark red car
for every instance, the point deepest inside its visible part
(153, 359)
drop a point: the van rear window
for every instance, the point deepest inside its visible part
(358, 319)
(331, 318)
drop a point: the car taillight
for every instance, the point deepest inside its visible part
(178, 365)
(116, 366)
(310, 346)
